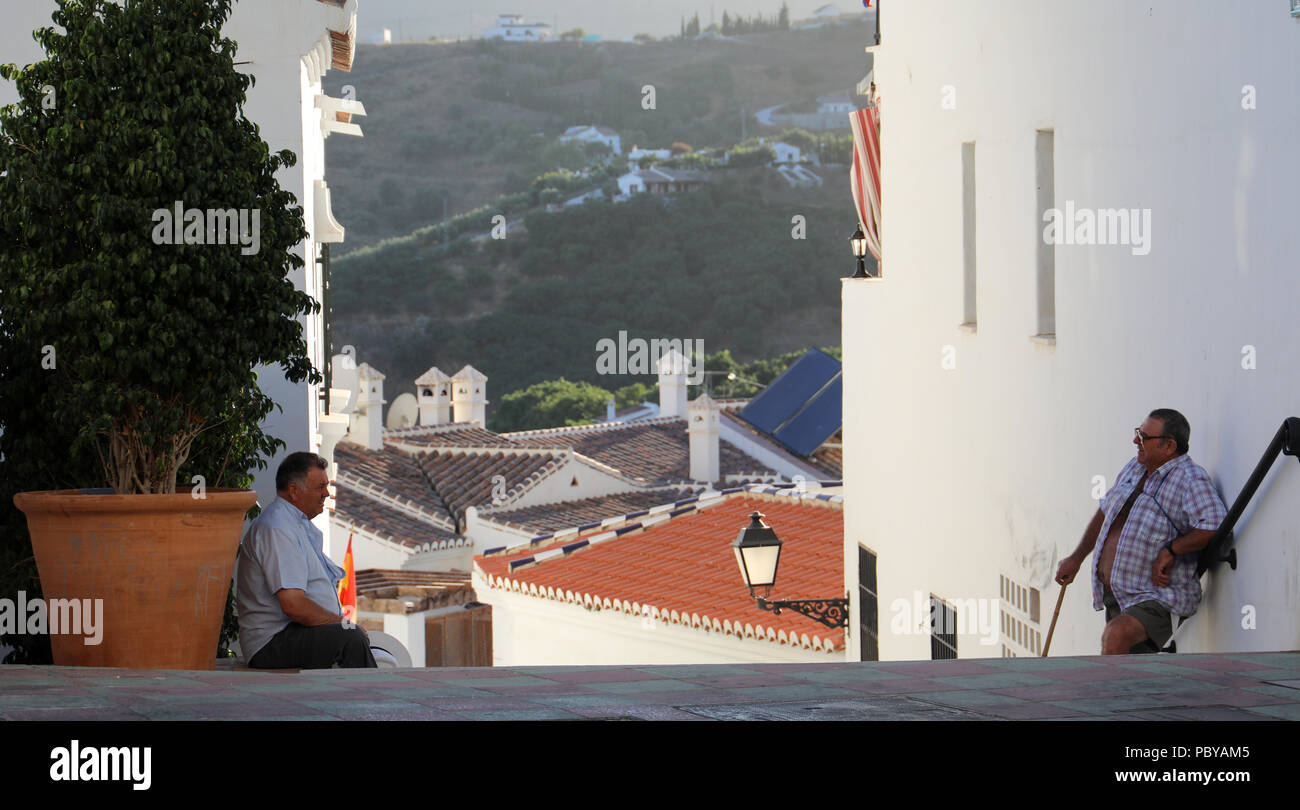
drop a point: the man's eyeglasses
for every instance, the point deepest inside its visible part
(1142, 437)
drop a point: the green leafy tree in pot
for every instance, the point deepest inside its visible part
(124, 361)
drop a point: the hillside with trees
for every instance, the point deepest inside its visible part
(472, 129)
(459, 124)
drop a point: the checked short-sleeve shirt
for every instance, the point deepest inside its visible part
(1174, 500)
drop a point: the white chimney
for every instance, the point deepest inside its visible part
(672, 384)
(469, 396)
(367, 424)
(703, 428)
(433, 390)
(611, 410)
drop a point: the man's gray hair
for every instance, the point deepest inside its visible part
(294, 469)
(1176, 426)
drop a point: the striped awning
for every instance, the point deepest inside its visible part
(865, 175)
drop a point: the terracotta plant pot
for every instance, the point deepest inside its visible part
(162, 565)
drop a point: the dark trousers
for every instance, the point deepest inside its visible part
(320, 647)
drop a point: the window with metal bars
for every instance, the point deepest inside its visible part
(943, 629)
(868, 606)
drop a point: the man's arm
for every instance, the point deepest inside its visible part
(1066, 571)
(296, 605)
(1189, 543)
(1205, 508)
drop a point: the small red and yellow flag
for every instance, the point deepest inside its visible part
(348, 586)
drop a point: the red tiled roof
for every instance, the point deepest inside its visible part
(653, 451)
(567, 514)
(459, 434)
(464, 479)
(391, 470)
(831, 459)
(342, 49)
(683, 571)
(355, 508)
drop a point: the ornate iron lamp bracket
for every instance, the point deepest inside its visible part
(830, 612)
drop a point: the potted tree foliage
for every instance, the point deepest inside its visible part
(127, 357)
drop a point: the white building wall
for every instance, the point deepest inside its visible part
(368, 551)
(558, 486)
(957, 475)
(527, 631)
(486, 535)
(457, 558)
(785, 465)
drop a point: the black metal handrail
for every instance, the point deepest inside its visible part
(1219, 549)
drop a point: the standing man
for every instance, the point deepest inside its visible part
(289, 612)
(1162, 510)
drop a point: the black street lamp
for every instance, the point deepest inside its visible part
(858, 241)
(758, 552)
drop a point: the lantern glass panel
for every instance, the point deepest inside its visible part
(760, 564)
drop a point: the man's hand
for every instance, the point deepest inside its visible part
(1160, 569)
(1067, 569)
(348, 624)
(1070, 565)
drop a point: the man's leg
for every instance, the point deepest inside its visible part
(1157, 623)
(1142, 629)
(1121, 635)
(318, 647)
(1122, 631)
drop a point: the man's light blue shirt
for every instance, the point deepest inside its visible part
(282, 549)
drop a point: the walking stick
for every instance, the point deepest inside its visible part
(1055, 613)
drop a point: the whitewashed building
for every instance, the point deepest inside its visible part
(512, 28)
(630, 183)
(635, 154)
(661, 586)
(586, 133)
(431, 496)
(834, 104)
(999, 375)
(786, 153)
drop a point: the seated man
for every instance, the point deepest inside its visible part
(289, 612)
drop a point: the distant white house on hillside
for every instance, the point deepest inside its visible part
(512, 28)
(587, 133)
(787, 153)
(835, 104)
(636, 153)
(658, 181)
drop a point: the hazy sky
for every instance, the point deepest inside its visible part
(612, 19)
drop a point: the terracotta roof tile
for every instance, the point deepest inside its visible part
(831, 459)
(556, 516)
(391, 470)
(355, 508)
(464, 479)
(683, 570)
(458, 434)
(655, 451)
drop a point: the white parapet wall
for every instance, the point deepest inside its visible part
(528, 631)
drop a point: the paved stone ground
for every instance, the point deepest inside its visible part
(1246, 686)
